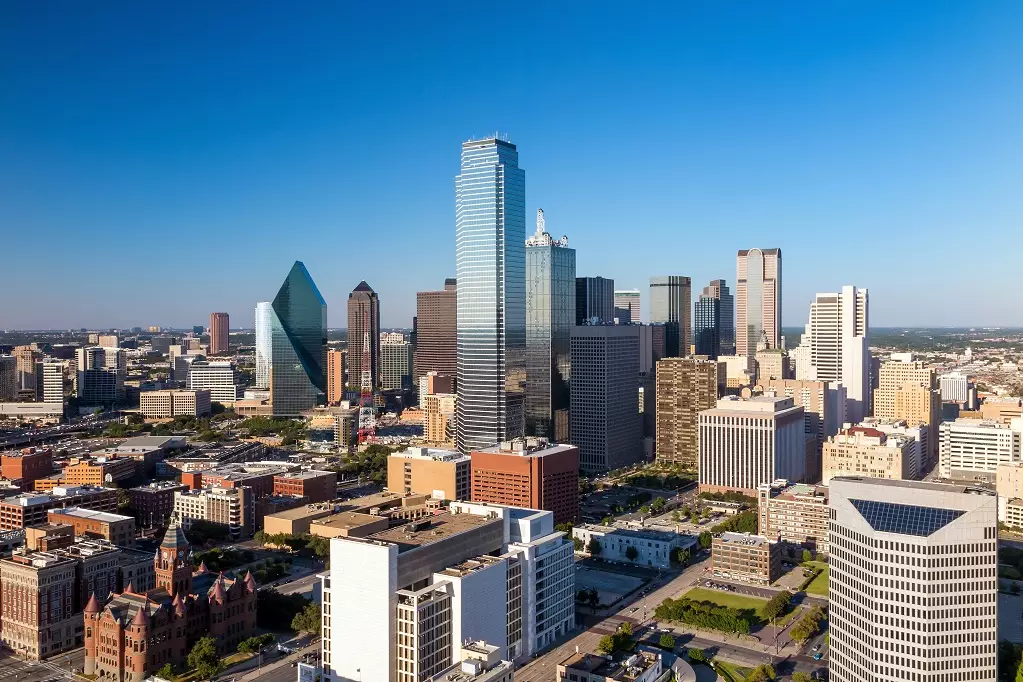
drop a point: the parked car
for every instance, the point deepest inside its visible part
(818, 656)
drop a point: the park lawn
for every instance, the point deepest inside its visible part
(730, 671)
(729, 599)
(787, 618)
(819, 585)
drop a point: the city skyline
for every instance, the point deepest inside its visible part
(872, 130)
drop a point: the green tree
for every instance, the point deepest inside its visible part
(676, 517)
(204, 658)
(644, 510)
(705, 539)
(606, 645)
(308, 620)
(666, 642)
(800, 676)
(123, 499)
(778, 605)
(697, 656)
(680, 556)
(166, 672)
(578, 543)
(658, 505)
(807, 556)
(631, 553)
(593, 547)
(607, 520)
(1019, 673)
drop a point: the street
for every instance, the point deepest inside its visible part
(13, 667)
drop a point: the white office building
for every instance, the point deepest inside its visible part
(395, 362)
(652, 548)
(746, 443)
(400, 604)
(836, 346)
(972, 449)
(955, 387)
(913, 581)
(217, 377)
(53, 382)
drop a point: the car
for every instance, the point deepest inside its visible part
(817, 647)
(818, 656)
(634, 609)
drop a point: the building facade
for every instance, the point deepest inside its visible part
(439, 417)
(364, 337)
(912, 562)
(443, 474)
(529, 473)
(168, 403)
(298, 319)
(316, 486)
(795, 514)
(973, 449)
(101, 373)
(335, 376)
(908, 390)
(628, 299)
(218, 378)
(863, 451)
(437, 330)
(233, 508)
(594, 300)
(746, 558)
(684, 388)
(490, 234)
(153, 503)
(758, 297)
(220, 333)
(671, 305)
(264, 344)
(396, 358)
(652, 547)
(114, 528)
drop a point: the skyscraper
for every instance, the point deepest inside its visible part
(628, 299)
(490, 227)
(594, 300)
(298, 378)
(8, 377)
(838, 336)
(264, 344)
(550, 314)
(396, 361)
(364, 337)
(220, 333)
(685, 387)
(757, 299)
(714, 326)
(436, 330)
(908, 390)
(101, 373)
(914, 581)
(335, 376)
(670, 305)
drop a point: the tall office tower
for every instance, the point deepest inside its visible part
(908, 390)
(550, 316)
(52, 382)
(628, 299)
(436, 330)
(604, 418)
(182, 366)
(823, 410)
(264, 344)
(404, 601)
(670, 305)
(914, 586)
(396, 361)
(685, 387)
(364, 337)
(298, 357)
(757, 299)
(955, 387)
(838, 338)
(490, 233)
(26, 357)
(594, 300)
(335, 376)
(100, 375)
(531, 473)
(714, 321)
(220, 333)
(746, 443)
(8, 377)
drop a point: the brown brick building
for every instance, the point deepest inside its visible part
(436, 313)
(31, 509)
(153, 503)
(28, 465)
(114, 528)
(133, 635)
(318, 486)
(745, 558)
(529, 473)
(684, 387)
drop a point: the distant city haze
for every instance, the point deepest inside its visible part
(158, 166)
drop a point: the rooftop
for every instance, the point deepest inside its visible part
(435, 454)
(640, 534)
(157, 486)
(760, 404)
(527, 447)
(744, 539)
(471, 566)
(79, 513)
(348, 520)
(153, 442)
(305, 475)
(915, 485)
(430, 530)
(595, 664)
(317, 510)
(803, 490)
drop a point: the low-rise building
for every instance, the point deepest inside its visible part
(99, 470)
(31, 509)
(318, 486)
(114, 528)
(296, 521)
(153, 503)
(481, 662)
(745, 558)
(794, 514)
(643, 666)
(348, 525)
(167, 404)
(650, 547)
(972, 449)
(863, 451)
(27, 466)
(258, 476)
(230, 507)
(443, 474)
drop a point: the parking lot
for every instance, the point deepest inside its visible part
(610, 586)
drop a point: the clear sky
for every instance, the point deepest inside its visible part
(161, 161)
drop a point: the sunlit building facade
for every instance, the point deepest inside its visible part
(298, 380)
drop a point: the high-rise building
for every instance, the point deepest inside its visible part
(396, 359)
(436, 330)
(823, 410)
(8, 377)
(838, 337)
(604, 418)
(671, 305)
(955, 387)
(219, 378)
(298, 377)
(913, 581)
(167, 404)
(714, 321)
(220, 333)
(101, 374)
(685, 387)
(439, 417)
(530, 473)
(757, 299)
(908, 390)
(594, 300)
(335, 376)
(27, 358)
(972, 449)
(264, 344)
(746, 443)
(490, 227)
(364, 337)
(628, 299)
(550, 314)
(867, 452)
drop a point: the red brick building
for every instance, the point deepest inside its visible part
(133, 635)
(318, 486)
(32, 509)
(529, 473)
(29, 465)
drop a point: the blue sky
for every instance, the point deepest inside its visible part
(159, 162)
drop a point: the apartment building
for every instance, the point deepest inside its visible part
(745, 558)
(972, 449)
(913, 581)
(153, 503)
(530, 473)
(795, 514)
(443, 474)
(39, 617)
(684, 388)
(439, 417)
(317, 486)
(230, 507)
(168, 404)
(863, 451)
(98, 470)
(114, 528)
(32, 509)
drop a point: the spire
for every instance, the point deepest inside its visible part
(202, 568)
(130, 589)
(178, 604)
(363, 286)
(219, 593)
(93, 605)
(141, 616)
(250, 582)
(174, 538)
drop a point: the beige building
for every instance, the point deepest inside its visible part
(169, 404)
(794, 514)
(684, 387)
(346, 429)
(863, 451)
(1003, 410)
(1009, 485)
(823, 404)
(348, 525)
(439, 417)
(907, 390)
(771, 363)
(298, 520)
(740, 371)
(38, 606)
(335, 376)
(758, 299)
(745, 558)
(443, 474)
(89, 523)
(231, 507)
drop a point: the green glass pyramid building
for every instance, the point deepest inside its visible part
(298, 319)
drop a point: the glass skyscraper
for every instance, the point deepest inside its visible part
(490, 262)
(714, 327)
(550, 316)
(670, 302)
(298, 356)
(264, 344)
(594, 300)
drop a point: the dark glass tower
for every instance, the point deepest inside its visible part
(550, 315)
(670, 305)
(707, 327)
(298, 356)
(594, 299)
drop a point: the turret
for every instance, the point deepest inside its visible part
(250, 582)
(173, 564)
(91, 618)
(136, 638)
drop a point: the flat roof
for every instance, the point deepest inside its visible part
(918, 485)
(346, 520)
(596, 664)
(434, 454)
(744, 539)
(304, 475)
(802, 490)
(78, 512)
(529, 447)
(431, 529)
(640, 533)
(304, 512)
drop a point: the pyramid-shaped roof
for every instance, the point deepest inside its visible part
(363, 286)
(174, 538)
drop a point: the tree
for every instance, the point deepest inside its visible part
(667, 642)
(705, 539)
(593, 547)
(676, 517)
(697, 656)
(778, 605)
(563, 527)
(606, 645)
(166, 672)
(205, 659)
(578, 543)
(626, 628)
(807, 556)
(800, 676)
(644, 510)
(308, 620)
(1019, 672)
(658, 505)
(762, 673)
(593, 599)
(695, 518)
(631, 553)
(607, 520)
(680, 556)
(123, 499)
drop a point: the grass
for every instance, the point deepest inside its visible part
(819, 585)
(729, 599)
(784, 620)
(729, 671)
